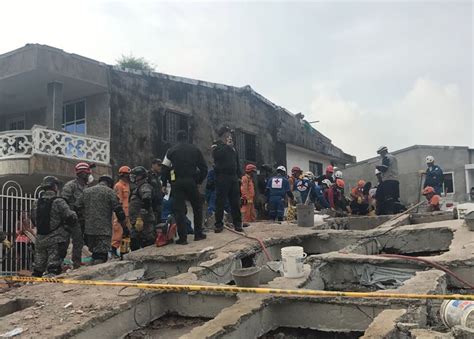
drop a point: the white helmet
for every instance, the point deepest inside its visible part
(281, 168)
(429, 159)
(377, 171)
(309, 175)
(381, 149)
(327, 182)
(338, 174)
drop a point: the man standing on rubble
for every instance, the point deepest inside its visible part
(52, 216)
(99, 203)
(390, 184)
(71, 192)
(228, 174)
(434, 175)
(154, 178)
(187, 169)
(277, 188)
(141, 212)
(122, 190)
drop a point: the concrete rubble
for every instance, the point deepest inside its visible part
(337, 252)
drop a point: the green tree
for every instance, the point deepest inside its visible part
(133, 62)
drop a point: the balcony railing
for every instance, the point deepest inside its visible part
(39, 140)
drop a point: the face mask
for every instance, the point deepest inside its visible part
(90, 179)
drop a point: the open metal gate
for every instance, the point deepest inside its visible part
(15, 209)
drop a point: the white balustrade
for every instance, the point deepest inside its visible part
(23, 144)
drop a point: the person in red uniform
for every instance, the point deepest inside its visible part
(247, 191)
(434, 200)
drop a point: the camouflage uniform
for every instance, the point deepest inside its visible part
(141, 206)
(99, 203)
(71, 192)
(50, 247)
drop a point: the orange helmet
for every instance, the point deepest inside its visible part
(340, 183)
(428, 190)
(330, 169)
(125, 170)
(250, 168)
(361, 183)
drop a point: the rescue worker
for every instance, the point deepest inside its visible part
(434, 175)
(154, 178)
(434, 200)
(141, 213)
(329, 175)
(99, 202)
(334, 195)
(122, 190)
(277, 188)
(359, 194)
(296, 174)
(51, 216)
(390, 184)
(71, 192)
(303, 189)
(228, 174)
(188, 170)
(247, 191)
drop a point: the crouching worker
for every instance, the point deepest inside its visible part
(99, 203)
(434, 200)
(52, 216)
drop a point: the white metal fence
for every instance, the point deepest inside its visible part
(15, 210)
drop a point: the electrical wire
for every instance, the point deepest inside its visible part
(262, 245)
(432, 264)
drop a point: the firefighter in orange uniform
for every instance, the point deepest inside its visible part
(247, 191)
(122, 189)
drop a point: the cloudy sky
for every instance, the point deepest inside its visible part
(373, 73)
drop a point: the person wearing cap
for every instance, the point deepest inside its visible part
(247, 190)
(99, 202)
(71, 192)
(51, 215)
(277, 188)
(434, 200)
(434, 175)
(154, 179)
(228, 173)
(329, 175)
(188, 169)
(391, 186)
(122, 189)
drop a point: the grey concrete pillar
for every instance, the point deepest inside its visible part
(54, 107)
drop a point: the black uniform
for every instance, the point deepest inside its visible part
(154, 179)
(190, 170)
(228, 173)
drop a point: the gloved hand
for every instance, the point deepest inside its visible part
(7, 243)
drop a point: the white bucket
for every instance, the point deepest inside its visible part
(457, 312)
(293, 259)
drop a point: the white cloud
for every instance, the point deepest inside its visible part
(429, 113)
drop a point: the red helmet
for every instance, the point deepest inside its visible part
(330, 169)
(428, 190)
(340, 183)
(296, 169)
(125, 170)
(83, 167)
(250, 168)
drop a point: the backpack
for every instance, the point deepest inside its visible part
(43, 215)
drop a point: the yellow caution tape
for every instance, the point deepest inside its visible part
(233, 289)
